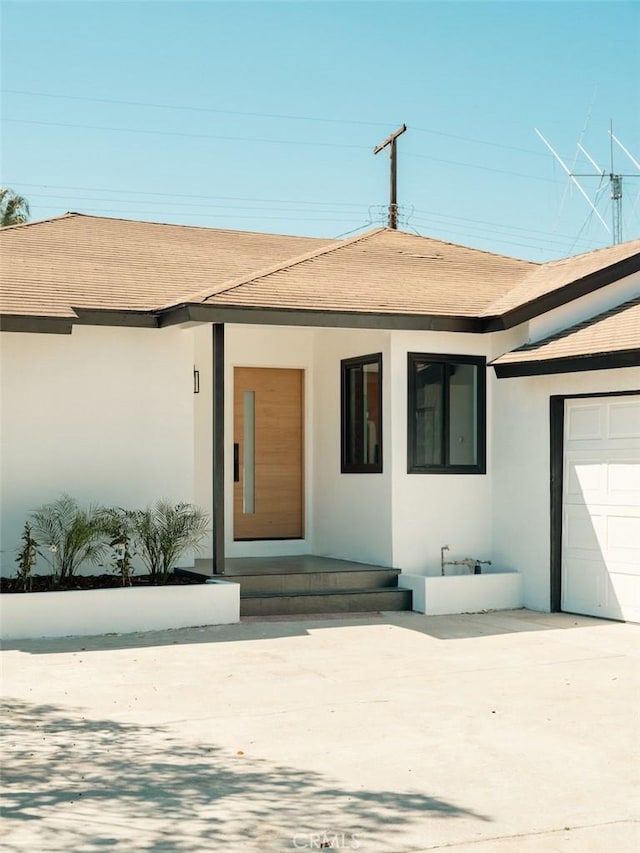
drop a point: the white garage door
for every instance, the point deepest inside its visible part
(601, 508)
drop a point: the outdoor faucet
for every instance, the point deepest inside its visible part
(442, 564)
(470, 562)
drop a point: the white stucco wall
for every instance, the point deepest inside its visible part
(103, 414)
(432, 510)
(521, 466)
(352, 517)
(587, 306)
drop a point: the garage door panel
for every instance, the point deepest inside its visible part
(624, 420)
(601, 508)
(623, 537)
(587, 589)
(623, 482)
(584, 476)
(585, 421)
(583, 533)
(624, 596)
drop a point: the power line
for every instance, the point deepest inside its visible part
(479, 231)
(271, 142)
(208, 215)
(482, 168)
(498, 224)
(262, 141)
(181, 195)
(503, 242)
(433, 217)
(195, 109)
(282, 116)
(195, 204)
(476, 141)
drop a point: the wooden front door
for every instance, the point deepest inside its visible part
(268, 435)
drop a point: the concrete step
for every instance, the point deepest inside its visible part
(293, 583)
(338, 601)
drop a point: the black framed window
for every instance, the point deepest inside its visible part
(361, 414)
(447, 414)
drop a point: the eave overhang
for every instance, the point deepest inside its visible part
(198, 313)
(563, 295)
(36, 324)
(571, 364)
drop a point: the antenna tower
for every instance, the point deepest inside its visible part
(614, 178)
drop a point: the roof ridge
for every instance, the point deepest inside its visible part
(206, 293)
(468, 248)
(568, 258)
(181, 225)
(66, 215)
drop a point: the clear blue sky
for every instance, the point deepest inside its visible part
(262, 116)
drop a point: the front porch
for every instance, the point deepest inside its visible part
(307, 584)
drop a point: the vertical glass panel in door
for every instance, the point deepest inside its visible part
(249, 480)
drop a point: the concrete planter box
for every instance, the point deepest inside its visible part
(82, 613)
(492, 590)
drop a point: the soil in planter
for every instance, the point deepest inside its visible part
(45, 583)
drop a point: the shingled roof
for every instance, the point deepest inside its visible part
(611, 339)
(552, 276)
(382, 272)
(78, 261)
(77, 266)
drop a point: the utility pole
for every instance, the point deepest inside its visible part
(393, 186)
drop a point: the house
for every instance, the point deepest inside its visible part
(371, 399)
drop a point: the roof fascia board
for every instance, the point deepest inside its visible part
(36, 324)
(291, 317)
(111, 317)
(563, 295)
(572, 364)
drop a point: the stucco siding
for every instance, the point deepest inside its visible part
(432, 510)
(104, 414)
(352, 512)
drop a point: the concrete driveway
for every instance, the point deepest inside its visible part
(386, 732)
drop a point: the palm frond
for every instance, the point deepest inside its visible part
(14, 208)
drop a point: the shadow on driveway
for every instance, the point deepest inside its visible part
(453, 627)
(79, 784)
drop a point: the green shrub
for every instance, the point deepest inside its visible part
(69, 535)
(118, 527)
(163, 532)
(26, 559)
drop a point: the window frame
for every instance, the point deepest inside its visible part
(347, 364)
(480, 362)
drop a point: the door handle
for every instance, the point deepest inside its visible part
(236, 462)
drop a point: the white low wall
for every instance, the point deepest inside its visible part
(84, 613)
(464, 593)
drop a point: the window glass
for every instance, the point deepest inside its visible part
(362, 414)
(462, 414)
(446, 414)
(429, 413)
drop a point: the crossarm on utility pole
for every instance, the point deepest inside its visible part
(393, 186)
